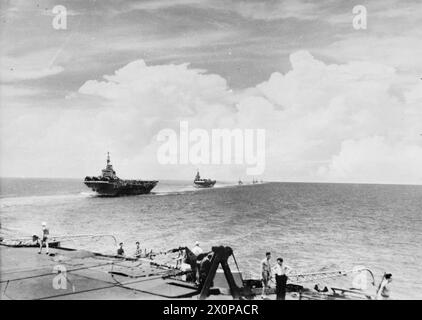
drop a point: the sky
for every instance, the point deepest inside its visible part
(338, 104)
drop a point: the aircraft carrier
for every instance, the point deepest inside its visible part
(203, 183)
(109, 185)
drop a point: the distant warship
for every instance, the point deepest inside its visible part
(108, 184)
(203, 183)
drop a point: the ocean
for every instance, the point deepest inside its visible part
(312, 226)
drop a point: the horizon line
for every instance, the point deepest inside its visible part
(264, 181)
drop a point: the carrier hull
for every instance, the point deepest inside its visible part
(204, 184)
(121, 187)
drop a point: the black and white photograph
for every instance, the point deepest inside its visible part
(219, 150)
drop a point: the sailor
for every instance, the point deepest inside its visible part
(120, 251)
(204, 270)
(384, 290)
(44, 238)
(138, 251)
(197, 249)
(281, 271)
(266, 274)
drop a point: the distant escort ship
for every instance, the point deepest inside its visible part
(109, 185)
(203, 183)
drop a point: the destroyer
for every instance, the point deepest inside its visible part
(108, 184)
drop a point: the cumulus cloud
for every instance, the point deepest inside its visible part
(314, 112)
(357, 121)
(401, 52)
(120, 113)
(377, 160)
(165, 91)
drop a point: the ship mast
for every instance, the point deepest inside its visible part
(108, 158)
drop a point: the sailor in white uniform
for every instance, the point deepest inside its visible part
(197, 250)
(44, 237)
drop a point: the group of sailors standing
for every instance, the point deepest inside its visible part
(200, 271)
(280, 271)
(139, 253)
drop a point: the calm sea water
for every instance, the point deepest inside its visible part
(312, 226)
